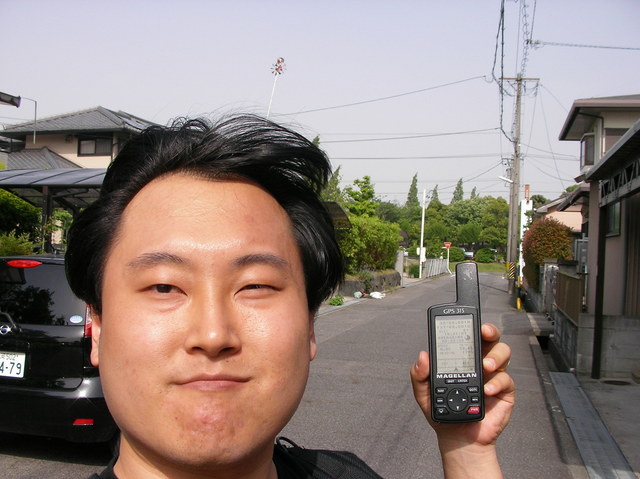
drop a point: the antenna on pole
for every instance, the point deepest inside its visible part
(277, 68)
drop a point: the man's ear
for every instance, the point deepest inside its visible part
(313, 346)
(96, 328)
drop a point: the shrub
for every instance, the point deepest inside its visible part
(14, 244)
(336, 301)
(370, 244)
(456, 254)
(367, 278)
(414, 270)
(485, 255)
(17, 215)
(434, 250)
(545, 239)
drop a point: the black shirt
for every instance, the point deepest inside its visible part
(294, 462)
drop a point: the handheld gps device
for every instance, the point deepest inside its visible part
(456, 354)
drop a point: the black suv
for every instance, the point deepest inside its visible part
(48, 386)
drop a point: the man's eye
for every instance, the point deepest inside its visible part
(163, 288)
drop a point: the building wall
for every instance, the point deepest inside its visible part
(592, 247)
(67, 146)
(572, 219)
(615, 270)
(620, 119)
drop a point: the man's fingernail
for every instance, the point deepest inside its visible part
(489, 363)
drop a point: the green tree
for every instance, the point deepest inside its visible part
(434, 195)
(494, 237)
(436, 232)
(469, 233)
(474, 193)
(495, 223)
(465, 211)
(412, 196)
(458, 193)
(362, 201)
(18, 215)
(387, 211)
(370, 244)
(332, 191)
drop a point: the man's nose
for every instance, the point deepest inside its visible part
(213, 327)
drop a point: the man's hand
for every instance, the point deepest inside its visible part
(469, 449)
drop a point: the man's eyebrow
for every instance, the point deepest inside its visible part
(261, 258)
(155, 258)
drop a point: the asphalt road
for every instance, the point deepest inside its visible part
(359, 395)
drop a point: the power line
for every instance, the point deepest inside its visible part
(554, 97)
(434, 157)
(427, 135)
(381, 98)
(445, 157)
(568, 157)
(538, 43)
(546, 126)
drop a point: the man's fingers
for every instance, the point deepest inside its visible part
(500, 384)
(490, 333)
(419, 380)
(497, 358)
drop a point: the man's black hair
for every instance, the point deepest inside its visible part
(282, 162)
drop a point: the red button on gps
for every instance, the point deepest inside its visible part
(473, 410)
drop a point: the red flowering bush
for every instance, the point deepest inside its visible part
(545, 239)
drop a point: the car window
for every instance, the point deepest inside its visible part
(39, 295)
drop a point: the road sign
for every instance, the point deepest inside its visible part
(447, 244)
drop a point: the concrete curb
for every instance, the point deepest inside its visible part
(568, 449)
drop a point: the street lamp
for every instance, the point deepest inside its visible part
(13, 100)
(35, 116)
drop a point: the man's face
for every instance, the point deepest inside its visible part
(205, 336)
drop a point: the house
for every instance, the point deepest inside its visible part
(571, 216)
(597, 316)
(83, 139)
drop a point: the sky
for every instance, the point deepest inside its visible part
(392, 89)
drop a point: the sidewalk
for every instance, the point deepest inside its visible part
(599, 415)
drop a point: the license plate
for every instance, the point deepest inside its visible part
(12, 364)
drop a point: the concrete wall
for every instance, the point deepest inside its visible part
(620, 351)
(380, 282)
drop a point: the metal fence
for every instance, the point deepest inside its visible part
(434, 267)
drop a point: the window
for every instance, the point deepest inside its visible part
(611, 136)
(613, 219)
(587, 150)
(94, 146)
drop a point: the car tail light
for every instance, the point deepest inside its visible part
(81, 421)
(87, 322)
(23, 263)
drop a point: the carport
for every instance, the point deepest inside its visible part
(71, 189)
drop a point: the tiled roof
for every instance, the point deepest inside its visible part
(41, 159)
(92, 120)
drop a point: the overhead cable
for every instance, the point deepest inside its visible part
(381, 98)
(428, 135)
(538, 43)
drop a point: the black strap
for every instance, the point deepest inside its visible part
(322, 464)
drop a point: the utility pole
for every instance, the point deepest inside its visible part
(514, 188)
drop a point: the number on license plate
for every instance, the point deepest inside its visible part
(12, 364)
